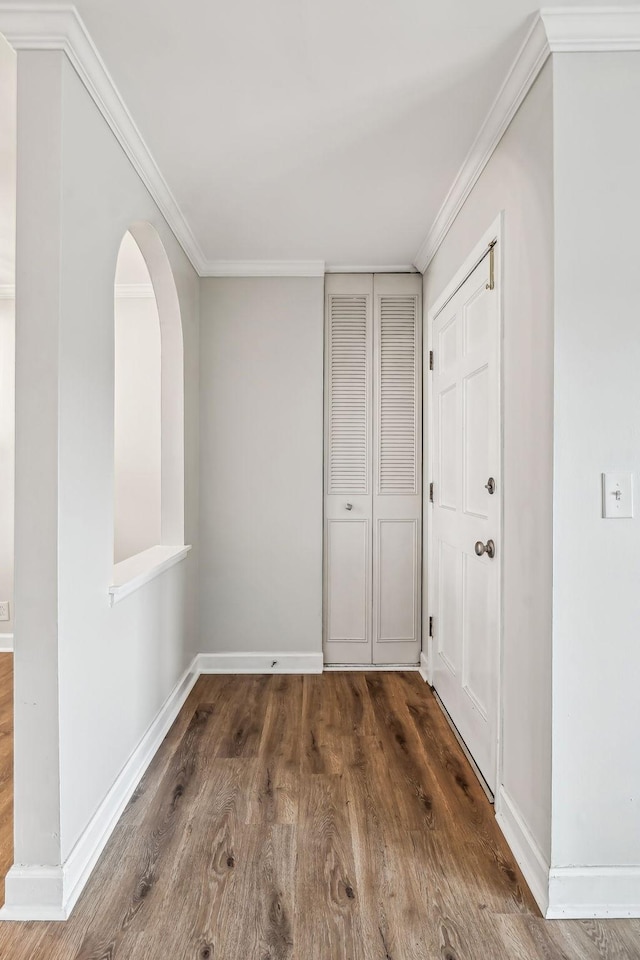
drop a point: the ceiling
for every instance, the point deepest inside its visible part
(308, 130)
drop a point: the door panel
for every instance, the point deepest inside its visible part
(476, 680)
(476, 440)
(397, 580)
(448, 461)
(348, 594)
(448, 593)
(466, 452)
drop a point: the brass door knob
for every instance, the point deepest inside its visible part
(489, 548)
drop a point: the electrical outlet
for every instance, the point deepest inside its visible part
(4, 609)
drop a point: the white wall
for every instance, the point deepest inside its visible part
(89, 678)
(261, 500)
(7, 319)
(519, 181)
(137, 426)
(7, 370)
(596, 707)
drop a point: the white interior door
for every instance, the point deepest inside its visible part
(464, 583)
(397, 499)
(348, 547)
(373, 503)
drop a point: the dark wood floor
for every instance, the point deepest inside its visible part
(327, 817)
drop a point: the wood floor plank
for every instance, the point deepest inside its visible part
(392, 923)
(248, 706)
(204, 865)
(323, 724)
(329, 817)
(264, 882)
(327, 913)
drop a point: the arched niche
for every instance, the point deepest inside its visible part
(170, 525)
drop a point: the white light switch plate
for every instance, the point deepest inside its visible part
(617, 495)
(4, 609)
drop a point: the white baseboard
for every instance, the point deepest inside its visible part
(50, 893)
(424, 667)
(6, 643)
(370, 667)
(259, 663)
(577, 893)
(525, 849)
(34, 893)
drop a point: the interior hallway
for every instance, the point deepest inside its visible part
(6, 767)
(317, 818)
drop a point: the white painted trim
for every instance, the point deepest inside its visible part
(527, 65)
(131, 574)
(60, 27)
(50, 893)
(577, 893)
(6, 643)
(34, 893)
(424, 667)
(134, 291)
(263, 268)
(560, 30)
(528, 854)
(7, 291)
(592, 29)
(260, 662)
(371, 268)
(371, 667)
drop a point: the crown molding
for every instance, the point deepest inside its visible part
(264, 268)
(28, 26)
(525, 68)
(371, 268)
(591, 29)
(560, 30)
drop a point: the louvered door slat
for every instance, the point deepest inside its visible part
(397, 434)
(348, 395)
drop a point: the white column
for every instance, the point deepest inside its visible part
(37, 768)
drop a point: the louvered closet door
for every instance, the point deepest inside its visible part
(397, 504)
(348, 470)
(372, 481)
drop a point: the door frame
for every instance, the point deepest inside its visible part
(494, 233)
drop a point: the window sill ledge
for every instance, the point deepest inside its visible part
(131, 574)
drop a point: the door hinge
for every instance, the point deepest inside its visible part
(430, 359)
(430, 626)
(431, 492)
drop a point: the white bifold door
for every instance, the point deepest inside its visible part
(373, 438)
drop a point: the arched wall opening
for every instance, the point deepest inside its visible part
(148, 398)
